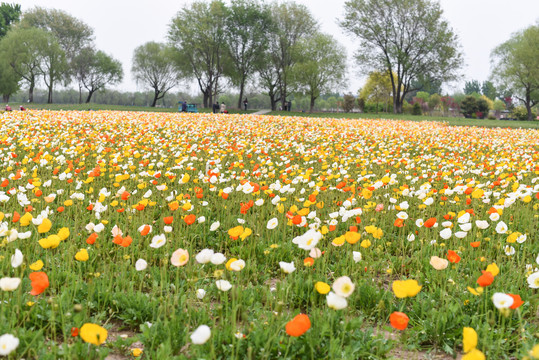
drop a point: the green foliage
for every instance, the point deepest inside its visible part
(521, 113)
(348, 103)
(9, 14)
(416, 109)
(469, 106)
(498, 105)
(377, 89)
(434, 101)
(95, 69)
(427, 46)
(153, 66)
(320, 66)
(489, 90)
(471, 87)
(247, 24)
(516, 65)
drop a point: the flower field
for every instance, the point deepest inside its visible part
(202, 236)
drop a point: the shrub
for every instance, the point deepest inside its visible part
(520, 113)
(348, 103)
(416, 110)
(469, 106)
(361, 104)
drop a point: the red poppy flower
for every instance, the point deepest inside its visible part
(486, 279)
(517, 301)
(74, 331)
(453, 257)
(430, 222)
(39, 282)
(298, 325)
(190, 219)
(399, 320)
(168, 220)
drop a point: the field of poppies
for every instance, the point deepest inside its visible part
(202, 236)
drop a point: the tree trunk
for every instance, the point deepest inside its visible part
(80, 94)
(156, 95)
(49, 97)
(242, 86)
(529, 105)
(5, 97)
(205, 98)
(91, 92)
(31, 91)
(312, 103)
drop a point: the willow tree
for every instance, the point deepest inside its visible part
(408, 39)
(516, 64)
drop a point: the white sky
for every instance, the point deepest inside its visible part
(122, 25)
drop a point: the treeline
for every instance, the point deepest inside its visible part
(275, 49)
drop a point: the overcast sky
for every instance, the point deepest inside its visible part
(122, 25)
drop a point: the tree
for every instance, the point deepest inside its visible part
(377, 89)
(348, 103)
(9, 14)
(23, 50)
(153, 65)
(469, 106)
(247, 26)
(321, 66)
(516, 63)
(9, 80)
(471, 87)
(53, 64)
(72, 34)
(407, 39)
(489, 90)
(95, 70)
(434, 101)
(198, 34)
(293, 22)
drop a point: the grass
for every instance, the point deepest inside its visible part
(452, 121)
(191, 171)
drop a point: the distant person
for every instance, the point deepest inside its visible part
(21, 108)
(216, 107)
(245, 103)
(223, 108)
(8, 108)
(290, 106)
(184, 106)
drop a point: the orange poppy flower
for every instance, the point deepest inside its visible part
(453, 257)
(298, 325)
(296, 220)
(399, 320)
(118, 239)
(475, 244)
(430, 222)
(16, 217)
(190, 219)
(126, 241)
(90, 207)
(145, 230)
(60, 209)
(399, 223)
(309, 261)
(125, 195)
(168, 220)
(91, 239)
(39, 281)
(517, 301)
(486, 279)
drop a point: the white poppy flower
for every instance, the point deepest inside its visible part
(482, 224)
(356, 255)
(16, 259)
(223, 285)
(272, 223)
(201, 293)
(141, 264)
(335, 301)
(201, 335)
(343, 286)
(158, 241)
(237, 265)
(287, 267)
(9, 284)
(502, 301)
(204, 256)
(501, 227)
(8, 343)
(533, 280)
(217, 259)
(215, 226)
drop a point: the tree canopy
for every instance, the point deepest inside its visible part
(516, 64)
(406, 38)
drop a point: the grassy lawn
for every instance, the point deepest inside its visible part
(449, 120)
